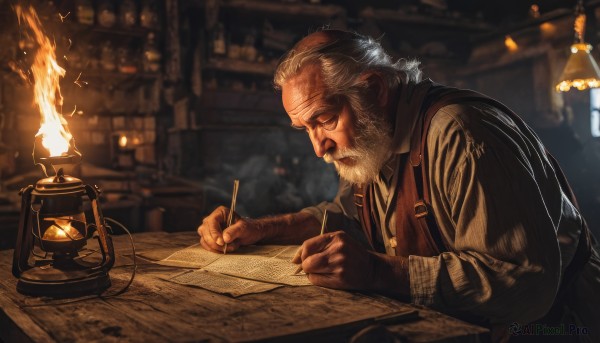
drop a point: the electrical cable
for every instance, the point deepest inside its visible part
(101, 295)
(121, 291)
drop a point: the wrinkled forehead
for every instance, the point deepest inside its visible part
(302, 90)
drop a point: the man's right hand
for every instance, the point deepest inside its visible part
(214, 234)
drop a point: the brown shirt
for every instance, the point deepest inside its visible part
(499, 205)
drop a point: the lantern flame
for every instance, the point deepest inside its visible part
(123, 141)
(46, 73)
(61, 230)
(510, 43)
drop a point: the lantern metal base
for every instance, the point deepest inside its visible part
(77, 280)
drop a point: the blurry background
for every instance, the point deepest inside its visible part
(172, 99)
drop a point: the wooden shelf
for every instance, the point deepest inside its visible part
(288, 9)
(398, 17)
(552, 16)
(101, 74)
(242, 100)
(236, 127)
(241, 66)
(116, 30)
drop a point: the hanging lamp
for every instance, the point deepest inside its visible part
(581, 70)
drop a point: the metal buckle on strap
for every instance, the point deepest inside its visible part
(421, 209)
(358, 199)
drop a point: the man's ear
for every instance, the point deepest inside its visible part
(378, 87)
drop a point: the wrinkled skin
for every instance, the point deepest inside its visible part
(243, 231)
(335, 260)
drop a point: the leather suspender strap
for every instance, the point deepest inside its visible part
(418, 149)
(423, 211)
(362, 207)
(422, 125)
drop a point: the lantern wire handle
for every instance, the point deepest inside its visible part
(101, 296)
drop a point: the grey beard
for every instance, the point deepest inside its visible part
(372, 148)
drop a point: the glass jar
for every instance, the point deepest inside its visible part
(149, 14)
(106, 13)
(249, 51)
(85, 12)
(126, 63)
(108, 57)
(152, 55)
(127, 13)
(219, 41)
(91, 56)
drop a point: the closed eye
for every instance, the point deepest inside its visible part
(329, 122)
(299, 128)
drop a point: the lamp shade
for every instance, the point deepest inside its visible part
(581, 71)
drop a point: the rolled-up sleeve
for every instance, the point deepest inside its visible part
(498, 204)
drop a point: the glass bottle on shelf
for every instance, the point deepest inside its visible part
(152, 56)
(106, 13)
(126, 62)
(235, 51)
(107, 57)
(85, 12)
(219, 41)
(249, 51)
(149, 14)
(127, 13)
(91, 55)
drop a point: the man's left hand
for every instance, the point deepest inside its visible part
(335, 260)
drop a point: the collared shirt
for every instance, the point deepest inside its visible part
(499, 205)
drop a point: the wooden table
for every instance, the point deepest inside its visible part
(155, 310)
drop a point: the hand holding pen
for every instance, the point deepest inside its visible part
(336, 260)
(240, 231)
(299, 252)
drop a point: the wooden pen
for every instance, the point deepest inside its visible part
(299, 252)
(236, 185)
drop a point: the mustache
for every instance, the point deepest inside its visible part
(334, 156)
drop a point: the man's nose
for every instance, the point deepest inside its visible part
(320, 142)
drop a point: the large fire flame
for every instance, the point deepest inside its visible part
(46, 73)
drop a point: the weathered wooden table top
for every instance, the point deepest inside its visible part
(155, 310)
